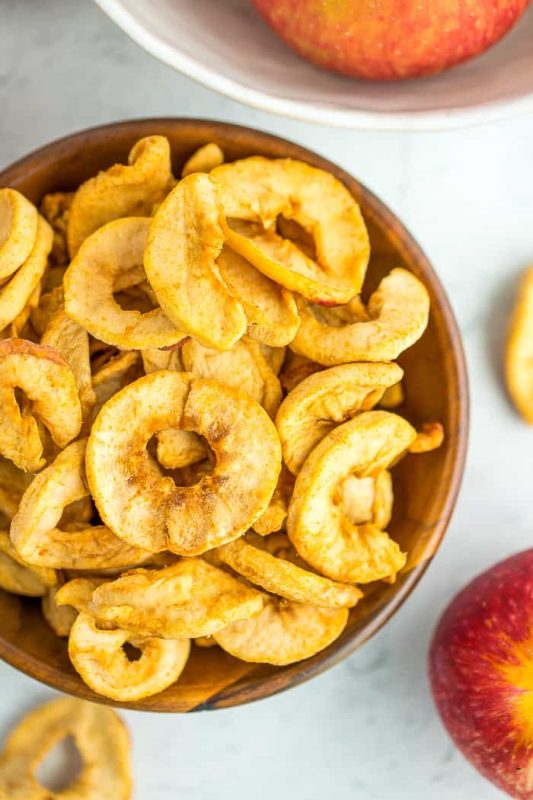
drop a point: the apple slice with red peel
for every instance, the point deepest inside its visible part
(481, 672)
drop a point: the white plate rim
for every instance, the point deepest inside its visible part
(448, 119)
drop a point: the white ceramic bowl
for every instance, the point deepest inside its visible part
(225, 45)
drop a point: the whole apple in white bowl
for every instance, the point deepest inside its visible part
(481, 671)
(226, 45)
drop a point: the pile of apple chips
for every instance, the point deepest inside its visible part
(189, 378)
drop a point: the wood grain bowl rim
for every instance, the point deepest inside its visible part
(257, 687)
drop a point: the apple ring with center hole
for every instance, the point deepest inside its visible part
(149, 510)
(18, 230)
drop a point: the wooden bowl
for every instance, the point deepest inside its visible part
(425, 486)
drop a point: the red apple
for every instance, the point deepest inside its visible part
(481, 670)
(389, 39)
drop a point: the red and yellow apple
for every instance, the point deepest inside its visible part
(481, 671)
(389, 39)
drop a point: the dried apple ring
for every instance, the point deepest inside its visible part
(19, 577)
(121, 191)
(45, 377)
(243, 367)
(150, 511)
(281, 576)
(18, 230)
(98, 656)
(16, 293)
(190, 598)
(519, 353)
(282, 632)
(324, 400)
(184, 241)
(270, 309)
(93, 276)
(72, 341)
(204, 159)
(34, 531)
(317, 523)
(398, 310)
(102, 742)
(259, 189)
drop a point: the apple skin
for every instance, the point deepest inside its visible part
(390, 39)
(481, 673)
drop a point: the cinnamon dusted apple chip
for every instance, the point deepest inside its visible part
(190, 598)
(274, 517)
(18, 231)
(16, 294)
(204, 159)
(76, 593)
(150, 511)
(114, 251)
(19, 577)
(324, 400)
(100, 737)
(398, 311)
(283, 632)
(270, 309)
(284, 575)
(259, 189)
(34, 529)
(121, 191)
(49, 304)
(47, 380)
(114, 375)
(99, 658)
(317, 523)
(184, 241)
(243, 366)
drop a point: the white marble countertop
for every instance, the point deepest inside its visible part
(366, 729)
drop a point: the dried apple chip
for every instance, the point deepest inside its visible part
(100, 737)
(184, 241)
(47, 380)
(243, 366)
(17, 292)
(283, 632)
(519, 353)
(55, 208)
(190, 598)
(19, 577)
(204, 159)
(150, 511)
(18, 230)
(13, 484)
(430, 437)
(93, 276)
(114, 375)
(270, 309)
(282, 576)
(121, 191)
(60, 618)
(398, 311)
(317, 523)
(324, 400)
(34, 529)
(274, 517)
(393, 397)
(99, 658)
(296, 369)
(49, 304)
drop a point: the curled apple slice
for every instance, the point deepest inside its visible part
(19, 577)
(283, 632)
(296, 369)
(190, 598)
(283, 574)
(49, 304)
(98, 656)
(121, 191)
(184, 241)
(393, 397)
(270, 309)
(15, 295)
(204, 159)
(259, 189)
(317, 522)
(430, 437)
(34, 529)
(398, 311)
(112, 252)
(243, 366)
(324, 400)
(102, 742)
(150, 511)
(18, 230)
(47, 380)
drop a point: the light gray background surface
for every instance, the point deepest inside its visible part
(366, 730)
